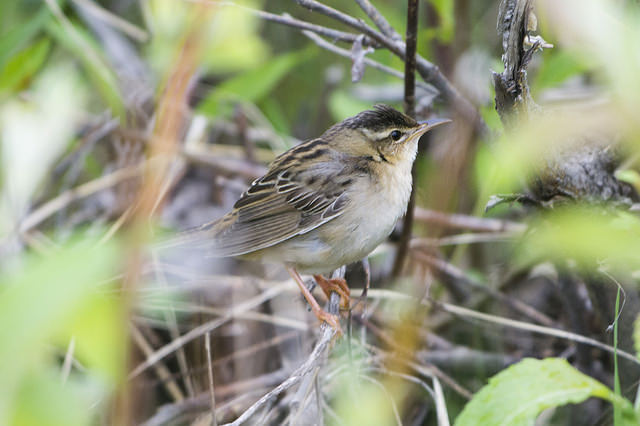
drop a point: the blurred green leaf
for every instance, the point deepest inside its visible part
(96, 67)
(251, 86)
(630, 176)
(43, 400)
(230, 40)
(588, 236)
(276, 116)
(51, 299)
(22, 66)
(36, 130)
(343, 105)
(233, 40)
(21, 34)
(445, 9)
(517, 395)
(557, 67)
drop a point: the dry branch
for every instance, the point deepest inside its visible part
(311, 363)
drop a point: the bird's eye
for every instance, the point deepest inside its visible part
(396, 135)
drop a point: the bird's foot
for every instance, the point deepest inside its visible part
(338, 285)
(331, 320)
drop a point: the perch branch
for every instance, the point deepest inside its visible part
(309, 365)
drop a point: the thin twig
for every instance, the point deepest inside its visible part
(379, 19)
(471, 223)
(47, 209)
(464, 312)
(368, 61)
(354, 23)
(172, 325)
(450, 271)
(441, 405)
(328, 333)
(410, 110)
(161, 370)
(207, 347)
(507, 322)
(68, 360)
(207, 327)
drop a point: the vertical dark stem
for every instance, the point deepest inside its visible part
(409, 109)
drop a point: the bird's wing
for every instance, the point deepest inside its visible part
(282, 204)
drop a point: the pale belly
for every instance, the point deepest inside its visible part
(347, 238)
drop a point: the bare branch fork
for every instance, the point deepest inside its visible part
(389, 38)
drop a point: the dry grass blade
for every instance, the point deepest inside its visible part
(494, 319)
(163, 373)
(49, 208)
(208, 327)
(207, 346)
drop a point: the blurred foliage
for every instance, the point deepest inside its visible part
(251, 86)
(51, 301)
(590, 237)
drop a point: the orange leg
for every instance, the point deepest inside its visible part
(320, 313)
(338, 285)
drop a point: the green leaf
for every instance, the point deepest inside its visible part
(585, 235)
(517, 395)
(22, 66)
(96, 67)
(558, 67)
(48, 301)
(445, 9)
(251, 86)
(43, 400)
(21, 34)
(343, 105)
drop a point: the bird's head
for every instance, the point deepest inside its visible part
(383, 133)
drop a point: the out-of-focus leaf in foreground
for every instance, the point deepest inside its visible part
(589, 237)
(608, 33)
(22, 66)
(43, 305)
(34, 133)
(517, 395)
(231, 41)
(15, 38)
(253, 85)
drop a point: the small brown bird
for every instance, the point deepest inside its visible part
(327, 202)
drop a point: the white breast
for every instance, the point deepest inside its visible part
(371, 221)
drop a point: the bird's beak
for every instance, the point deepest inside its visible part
(427, 125)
